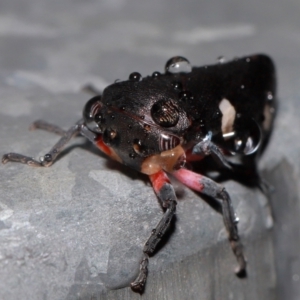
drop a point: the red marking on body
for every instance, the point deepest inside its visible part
(107, 150)
(158, 180)
(190, 179)
(104, 148)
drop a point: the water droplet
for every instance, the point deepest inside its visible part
(142, 117)
(135, 76)
(216, 115)
(132, 155)
(236, 219)
(48, 157)
(178, 64)
(165, 113)
(99, 119)
(91, 108)
(112, 117)
(109, 135)
(155, 74)
(242, 86)
(129, 126)
(249, 144)
(177, 86)
(185, 96)
(270, 96)
(221, 59)
(248, 59)
(137, 146)
(238, 145)
(123, 108)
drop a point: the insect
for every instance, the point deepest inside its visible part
(159, 123)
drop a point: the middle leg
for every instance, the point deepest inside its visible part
(208, 187)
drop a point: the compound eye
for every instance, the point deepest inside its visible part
(91, 110)
(168, 142)
(165, 113)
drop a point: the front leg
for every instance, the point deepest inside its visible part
(48, 159)
(208, 187)
(166, 194)
(207, 147)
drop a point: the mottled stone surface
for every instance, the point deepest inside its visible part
(76, 230)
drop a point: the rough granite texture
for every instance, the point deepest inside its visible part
(76, 230)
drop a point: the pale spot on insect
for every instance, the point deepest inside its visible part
(268, 114)
(229, 113)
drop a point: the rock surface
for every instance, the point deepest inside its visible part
(76, 230)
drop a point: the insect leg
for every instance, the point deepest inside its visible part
(40, 124)
(207, 147)
(48, 159)
(89, 88)
(166, 194)
(208, 187)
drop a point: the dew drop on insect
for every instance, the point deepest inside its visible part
(236, 219)
(221, 59)
(242, 86)
(155, 74)
(135, 76)
(253, 141)
(270, 96)
(165, 113)
(137, 146)
(112, 117)
(48, 157)
(109, 135)
(177, 86)
(248, 59)
(185, 96)
(132, 155)
(99, 119)
(178, 64)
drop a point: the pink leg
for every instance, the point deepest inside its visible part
(166, 194)
(208, 187)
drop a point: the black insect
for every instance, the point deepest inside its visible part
(224, 110)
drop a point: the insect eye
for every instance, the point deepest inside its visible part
(168, 142)
(90, 111)
(165, 113)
